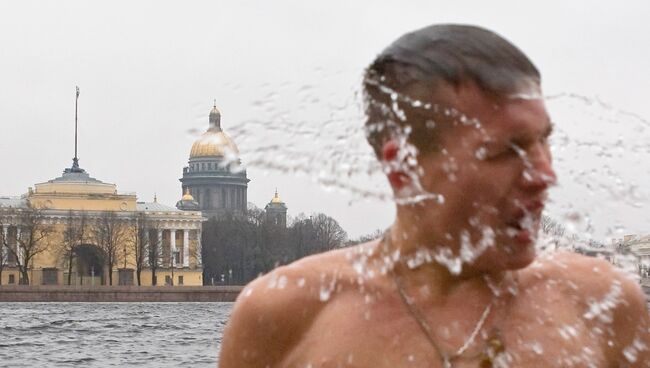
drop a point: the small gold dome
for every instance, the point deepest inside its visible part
(187, 196)
(213, 143)
(276, 198)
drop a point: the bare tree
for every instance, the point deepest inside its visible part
(74, 233)
(329, 234)
(110, 233)
(31, 239)
(552, 227)
(140, 244)
(3, 252)
(238, 248)
(366, 238)
(154, 250)
(302, 235)
(196, 252)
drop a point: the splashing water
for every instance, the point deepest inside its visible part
(599, 155)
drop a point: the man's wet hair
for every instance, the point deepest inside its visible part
(439, 56)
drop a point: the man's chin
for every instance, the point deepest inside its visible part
(511, 255)
(519, 254)
(520, 261)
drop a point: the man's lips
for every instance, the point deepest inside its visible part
(532, 208)
(535, 206)
(522, 222)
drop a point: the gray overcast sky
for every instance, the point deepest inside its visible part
(149, 70)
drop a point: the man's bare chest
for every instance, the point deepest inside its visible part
(383, 335)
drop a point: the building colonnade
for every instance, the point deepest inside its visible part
(176, 237)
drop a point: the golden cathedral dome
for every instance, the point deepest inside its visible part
(213, 143)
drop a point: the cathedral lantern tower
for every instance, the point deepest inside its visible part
(214, 177)
(276, 211)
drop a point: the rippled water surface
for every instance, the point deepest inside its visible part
(111, 334)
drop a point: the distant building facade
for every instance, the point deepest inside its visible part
(108, 224)
(214, 177)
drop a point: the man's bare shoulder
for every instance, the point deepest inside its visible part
(607, 298)
(273, 311)
(583, 278)
(584, 275)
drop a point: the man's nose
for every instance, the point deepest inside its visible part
(539, 173)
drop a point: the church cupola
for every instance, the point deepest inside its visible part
(187, 202)
(276, 211)
(215, 118)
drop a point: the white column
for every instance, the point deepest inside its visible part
(145, 249)
(186, 248)
(19, 249)
(172, 246)
(160, 247)
(199, 261)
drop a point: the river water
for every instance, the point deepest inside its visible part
(111, 334)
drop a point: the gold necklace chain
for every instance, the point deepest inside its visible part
(495, 346)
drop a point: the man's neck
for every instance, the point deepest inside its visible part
(417, 263)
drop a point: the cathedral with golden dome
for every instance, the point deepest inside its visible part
(214, 181)
(77, 230)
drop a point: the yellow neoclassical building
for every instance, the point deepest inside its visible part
(81, 231)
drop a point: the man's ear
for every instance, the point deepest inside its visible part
(396, 176)
(389, 150)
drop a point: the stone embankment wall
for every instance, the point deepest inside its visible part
(23, 293)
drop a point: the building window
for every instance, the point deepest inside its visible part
(180, 280)
(223, 197)
(50, 276)
(203, 166)
(12, 279)
(168, 280)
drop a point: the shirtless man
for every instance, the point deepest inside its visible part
(456, 117)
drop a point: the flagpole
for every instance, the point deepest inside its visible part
(75, 125)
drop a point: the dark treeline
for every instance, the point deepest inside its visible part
(238, 248)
